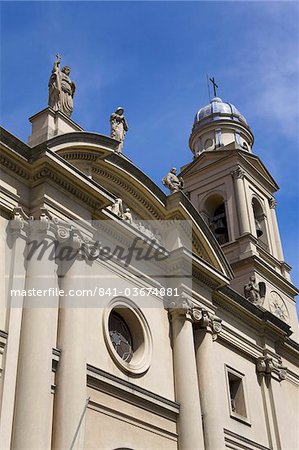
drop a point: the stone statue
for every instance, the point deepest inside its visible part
(127, 215)
(119, 126)
(172, 182)
(61, 89)
(117, 207)
(255, 292)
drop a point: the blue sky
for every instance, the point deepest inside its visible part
(152, 58)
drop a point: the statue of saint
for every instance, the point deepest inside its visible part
(117, 207)
(127, 215)
(172, 182)
(119, 126)
(61, 89)
(255, 292)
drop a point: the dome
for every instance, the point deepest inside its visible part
(218, 110)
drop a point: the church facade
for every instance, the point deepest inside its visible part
(131, 319)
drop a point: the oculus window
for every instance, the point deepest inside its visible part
(120, 336)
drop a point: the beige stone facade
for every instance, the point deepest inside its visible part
(206, 369)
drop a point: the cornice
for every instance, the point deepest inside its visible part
(15, 143)
(71, 188)
(238, 441)
(123, 185)
(260, 318)
(130, 392)
(82, 136)
(238, 157)
(270, 274)
(119, 160)
(50, 166)
(15, 165)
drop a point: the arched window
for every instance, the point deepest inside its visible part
(260, 224)
(214, 210)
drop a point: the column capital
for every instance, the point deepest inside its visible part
(19, 223)
(238, 173)
(203, 319)
(272, 203)
(180, 306)
(268, 366)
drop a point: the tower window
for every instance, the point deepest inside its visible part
(236, 394)
(214, 211)
(219, 224)
(259, 223)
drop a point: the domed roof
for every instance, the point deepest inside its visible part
(219, 110)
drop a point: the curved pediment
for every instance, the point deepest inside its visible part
(102, 167)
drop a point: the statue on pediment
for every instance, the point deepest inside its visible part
(172, 181)
(61, 89)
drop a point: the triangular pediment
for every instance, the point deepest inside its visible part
(248, 161)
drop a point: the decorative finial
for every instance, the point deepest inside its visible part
(61, 88)
(215, 86)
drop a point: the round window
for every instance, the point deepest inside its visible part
(120, 336)
(127, 336)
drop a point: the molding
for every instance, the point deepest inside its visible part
(240, 343)
(16, 166)
(82, 136)
(48, 173)
(133, 421)
(260, 314)
(271, 274)
(116, 180)
(59, 171)
(131, 393)
(9, 140)
(241, 442)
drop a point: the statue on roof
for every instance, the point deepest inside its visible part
(172, 182)
(119, 126)
(61, 89)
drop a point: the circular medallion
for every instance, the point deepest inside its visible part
(278, 307)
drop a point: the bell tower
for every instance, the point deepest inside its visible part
(234, 192)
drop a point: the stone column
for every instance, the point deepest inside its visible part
(190, 433)
(15, 238)
(241, 203)
(71, 390)
(33, 409)
(206, 329)
(276, 236)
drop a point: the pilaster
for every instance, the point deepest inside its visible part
(269, 369)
